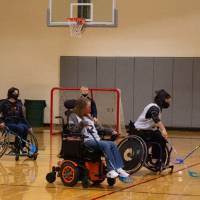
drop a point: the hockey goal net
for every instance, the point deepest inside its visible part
(108, 102)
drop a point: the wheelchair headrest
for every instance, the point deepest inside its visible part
(70, 104)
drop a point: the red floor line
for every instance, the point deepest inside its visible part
(146, 181)
(172, 194)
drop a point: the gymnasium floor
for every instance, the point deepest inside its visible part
(25, 179)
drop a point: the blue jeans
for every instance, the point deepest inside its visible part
(112, 154)
(20, 129)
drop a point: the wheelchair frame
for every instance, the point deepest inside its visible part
(141, 156)
(83, 164)
(32, 150)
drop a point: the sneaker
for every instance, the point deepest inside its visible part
(112, 174)
(126, 179)
(122, 173)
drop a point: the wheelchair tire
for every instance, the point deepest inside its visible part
(133, 151)
(69, 174)
(4, 142)
(31, 139)
(111, 181)
(51, 177)
(157, 166)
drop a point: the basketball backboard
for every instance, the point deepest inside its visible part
(96, 12)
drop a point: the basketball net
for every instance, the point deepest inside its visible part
(76, 26)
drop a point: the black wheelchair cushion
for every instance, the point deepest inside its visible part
(72, 148)
(75, 149)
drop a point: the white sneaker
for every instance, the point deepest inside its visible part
(122, 173)
(112, 174)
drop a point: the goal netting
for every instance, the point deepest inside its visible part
(108, 102)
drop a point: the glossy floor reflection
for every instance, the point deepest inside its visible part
(25, 179)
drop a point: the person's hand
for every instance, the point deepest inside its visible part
(164, 134)
(95, 120)
(2, 125)
(30, 130)
(114, 135)
(115, 132)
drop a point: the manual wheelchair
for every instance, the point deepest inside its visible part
(12, 142)
(78, 161)
(137, 152)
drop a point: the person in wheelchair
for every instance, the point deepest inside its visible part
(81, 121)
(149, 125)
(12, 116)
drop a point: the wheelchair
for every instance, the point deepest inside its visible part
(137, 153)
(78, 161)
(11, 141)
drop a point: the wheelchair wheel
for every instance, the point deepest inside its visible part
(157, 165)
(32, 146)
(4, 142)
(69, 174)
(111, 181)
(133, 151)
(51, 177)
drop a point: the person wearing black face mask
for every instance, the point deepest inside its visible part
(149, 125)
(12, 116)
(85, 95)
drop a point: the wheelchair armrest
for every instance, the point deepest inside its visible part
(62, 120)
(78, 135)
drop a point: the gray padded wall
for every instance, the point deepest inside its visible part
(196, 93)
(87, 71)
(106, 79)
(125, 81)
(143, 84)
(163, 78)
(182, 92)
(105, 72)
(68, 71)
(138, 78)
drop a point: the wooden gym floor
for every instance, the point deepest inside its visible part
(25, 179)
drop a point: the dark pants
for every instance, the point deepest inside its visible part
(20, 129)
(156, 140)
(109, 148)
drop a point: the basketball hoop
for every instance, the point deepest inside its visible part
(76, 26)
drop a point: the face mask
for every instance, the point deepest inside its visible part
(165, 105)
(14, 96)
(84, 95)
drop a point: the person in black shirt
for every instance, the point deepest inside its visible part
(85, 95)
(12, 116)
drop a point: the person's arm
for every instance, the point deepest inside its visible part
(162, 129)
(2, 124)
(74, 125)
(22, 117)
(93, 109)
(153, 113)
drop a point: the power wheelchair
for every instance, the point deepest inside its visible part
(137, 152)
(78, 162)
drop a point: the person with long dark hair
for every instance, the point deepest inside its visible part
(149, 125)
